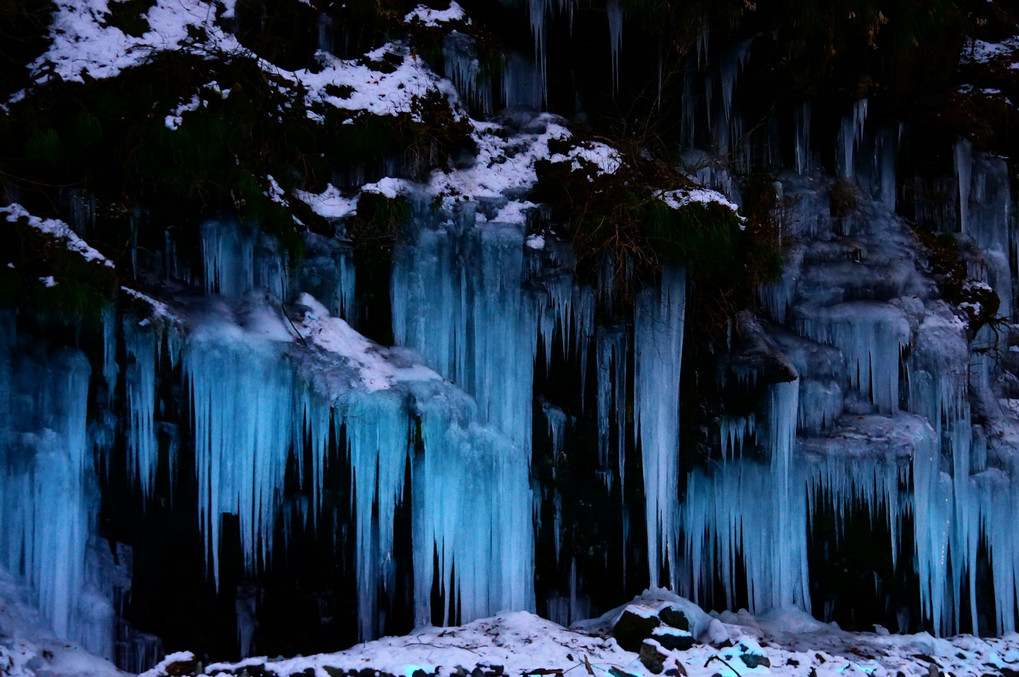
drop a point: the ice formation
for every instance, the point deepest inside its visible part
(890, 415)
(658, 350)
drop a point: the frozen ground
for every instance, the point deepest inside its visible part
(520, 643)
(29, 648)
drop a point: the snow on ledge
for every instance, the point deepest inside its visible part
(682, 197)
(433, 18)
(979, 51)
(378, 368)
(58, 230)
(330, 203)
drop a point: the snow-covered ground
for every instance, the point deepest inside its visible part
(28, 647)
(729, 644)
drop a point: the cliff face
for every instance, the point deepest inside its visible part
(326, 322)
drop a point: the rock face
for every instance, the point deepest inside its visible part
(415, 326)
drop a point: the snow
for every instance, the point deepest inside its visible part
(783, 642)
(603, 158)
(980, 51)
(175, 119)
(58, 230)
(370, 91)
(434, 17)
(535, 242)
(376, 368)
(158, 309)
(28, 647)
(85, 47)
(679, 198)
(504, 165)
(330, 203)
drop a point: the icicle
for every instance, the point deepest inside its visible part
(791, 582)
(378, 429)
(464, 70)
(850, 137)
(727, 520)
(734, 432)
(458, 301)
(801, 136)
(241, 389)
(556, 420)
(963, 174)
(471, 486)
(140, 382)
(47, 486)
(110, 367)
(658, 351)
(820, 405)
(871, 336)
(612, 379)
(729, 68)
(227, 260)
(884, 162)
(615, 15)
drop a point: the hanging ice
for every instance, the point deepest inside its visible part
(729, 518)
(615, 15)
(140, 382)
(871, 336)
(850, 137)
(47, 486)
(658, 356)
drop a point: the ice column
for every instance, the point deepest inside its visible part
(871, 336)
(801, 122)
(752, 513)
(242, 395)
(140, 381)
(47, 485)
(615, 15)
(377, 426)
(850, 137)
(458, 301)
(612, 379)
(227, 259)
(658, 354)
(473, 509)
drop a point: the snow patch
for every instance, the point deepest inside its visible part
(330, 203)
(58, 230)
(433, 18)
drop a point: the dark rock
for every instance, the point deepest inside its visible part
(755, 353)
(501, 670)
(181, 668)
(672, 638)
(631, 630)
(478, 671)
(753, 660)
(419, 673)
(652, 657)
(675, 618)
(334, 672)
